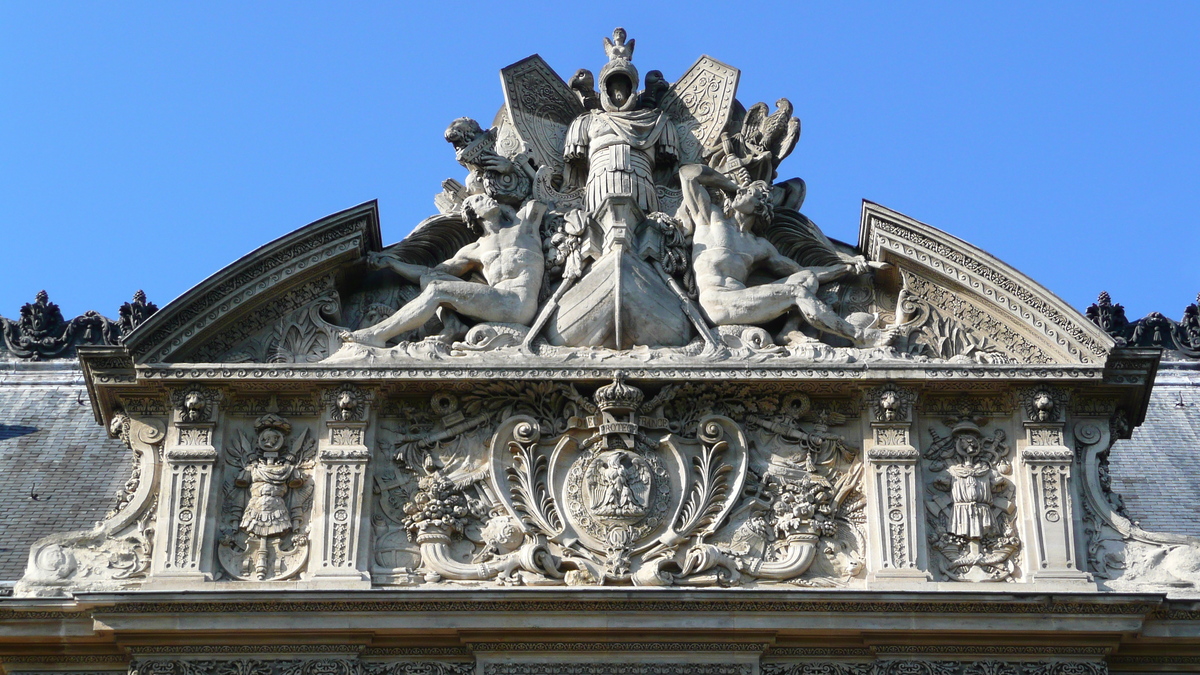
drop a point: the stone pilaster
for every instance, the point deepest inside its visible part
(1044, 476)
(183, 542)
(895, 519)
(340, 519)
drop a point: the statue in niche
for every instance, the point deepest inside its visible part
(508, 255)
(269, 476)
(727, 248)
(265, 536)
(974, 528)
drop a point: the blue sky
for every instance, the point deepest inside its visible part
(146, 145)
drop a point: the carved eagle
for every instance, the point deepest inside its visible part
(776, 133)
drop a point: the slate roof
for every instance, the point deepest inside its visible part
(1157, 472)
(51, 445)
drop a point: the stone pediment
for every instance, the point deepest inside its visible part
(993, 309)
(286, 302)
(257, 291)
(619, 355)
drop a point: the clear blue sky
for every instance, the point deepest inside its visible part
(146, 145)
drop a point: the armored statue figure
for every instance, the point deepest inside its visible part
(974, 480)
(618, 147)
(269, 476)
(508, 254)
(727, 247)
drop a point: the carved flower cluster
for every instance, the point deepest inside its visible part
(437, 506)
(802, 506)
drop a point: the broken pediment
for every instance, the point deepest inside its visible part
(945, 300)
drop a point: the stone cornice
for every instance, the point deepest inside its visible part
(552, 601)
(551, 371)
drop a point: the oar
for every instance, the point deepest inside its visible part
(544, 315)
(712, 345)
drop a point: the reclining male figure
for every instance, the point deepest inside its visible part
(508, 254)
(727, 248)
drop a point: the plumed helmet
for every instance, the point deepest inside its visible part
(618, 68)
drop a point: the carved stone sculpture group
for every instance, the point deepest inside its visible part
(619, 219)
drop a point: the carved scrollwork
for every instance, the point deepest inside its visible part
(536, 483)
(116, 553)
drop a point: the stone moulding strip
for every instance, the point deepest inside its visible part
(380, 652)
(638, 605)
(256, 649)
(1007, 650)
(572, 646)
(864, 372)
(65, 658)
(577, 668)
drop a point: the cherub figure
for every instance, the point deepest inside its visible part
(727, 247)
(508, 254)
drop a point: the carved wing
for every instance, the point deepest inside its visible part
(700, 103)
(304, 449)
(238, 450)
(435, 240)
(752, 125)
(788, 142)
(798, 238)
(541, 107)
(644, 476)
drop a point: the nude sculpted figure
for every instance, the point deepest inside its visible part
(726, 249)
(508, 254)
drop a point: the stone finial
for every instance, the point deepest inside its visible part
(133, 314)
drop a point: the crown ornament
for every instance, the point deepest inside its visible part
(619, 397)
(272, 421)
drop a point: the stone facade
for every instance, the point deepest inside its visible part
(620, 407)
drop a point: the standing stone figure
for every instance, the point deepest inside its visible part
(727, 248)
(618, 147)
(270, 475)
(508, 254)
(971, 489)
